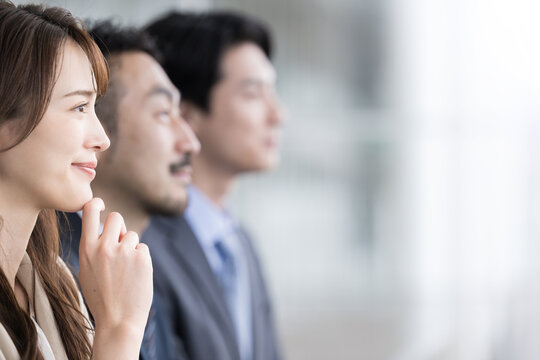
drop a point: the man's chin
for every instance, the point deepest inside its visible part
(267, 162)
(168, 208)
(264, 166)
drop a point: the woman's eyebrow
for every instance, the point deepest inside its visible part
(87, 93)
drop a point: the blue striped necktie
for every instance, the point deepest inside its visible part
(227, 274)
(229, 277)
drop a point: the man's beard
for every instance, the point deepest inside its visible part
(165, 207)
(186, 161)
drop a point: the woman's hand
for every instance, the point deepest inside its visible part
(116, 280)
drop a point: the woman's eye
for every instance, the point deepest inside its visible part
(81, 108)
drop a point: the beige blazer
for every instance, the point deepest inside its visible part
(43, 313)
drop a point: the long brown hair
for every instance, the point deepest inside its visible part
(31, 39)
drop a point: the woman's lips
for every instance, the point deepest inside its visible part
(89, 168)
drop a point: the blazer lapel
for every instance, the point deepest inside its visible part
(192, 258)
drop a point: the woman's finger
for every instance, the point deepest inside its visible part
(113, 227)
(90, 223)
(130, 240)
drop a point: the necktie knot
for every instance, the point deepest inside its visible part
(225, 254)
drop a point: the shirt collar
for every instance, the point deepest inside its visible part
(207, 220)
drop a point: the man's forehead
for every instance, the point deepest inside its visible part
(247, 61)
(136, 66)
(258, 79)
(248, 77)
(145, 75)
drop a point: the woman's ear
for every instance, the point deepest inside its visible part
(193, 115)
(9, 133)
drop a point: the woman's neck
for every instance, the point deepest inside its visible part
(17, 221)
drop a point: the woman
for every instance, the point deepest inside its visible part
(50, 75)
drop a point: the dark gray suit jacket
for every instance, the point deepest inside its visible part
(193, 299)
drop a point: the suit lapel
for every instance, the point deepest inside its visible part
(192, 258)
(257, 297)
(70, 227)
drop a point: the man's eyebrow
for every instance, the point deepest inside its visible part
(252, 81)
(87, 93)
(256, 82)
(159, 90)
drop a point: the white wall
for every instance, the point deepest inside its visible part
(403, 222)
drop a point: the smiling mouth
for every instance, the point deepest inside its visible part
(88, 168)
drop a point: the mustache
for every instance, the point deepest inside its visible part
(186, 161)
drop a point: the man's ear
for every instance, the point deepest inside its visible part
(193, 115)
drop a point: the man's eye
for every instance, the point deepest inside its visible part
(252, 94)
(164, 116)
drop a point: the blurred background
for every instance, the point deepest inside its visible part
(404, 220)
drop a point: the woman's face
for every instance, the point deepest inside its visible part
(53, 167)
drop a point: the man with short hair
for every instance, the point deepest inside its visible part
(147, 168)
(207, 271)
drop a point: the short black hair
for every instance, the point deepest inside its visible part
(115, 40)
(193, 45)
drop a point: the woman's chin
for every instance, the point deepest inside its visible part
(76, 203)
